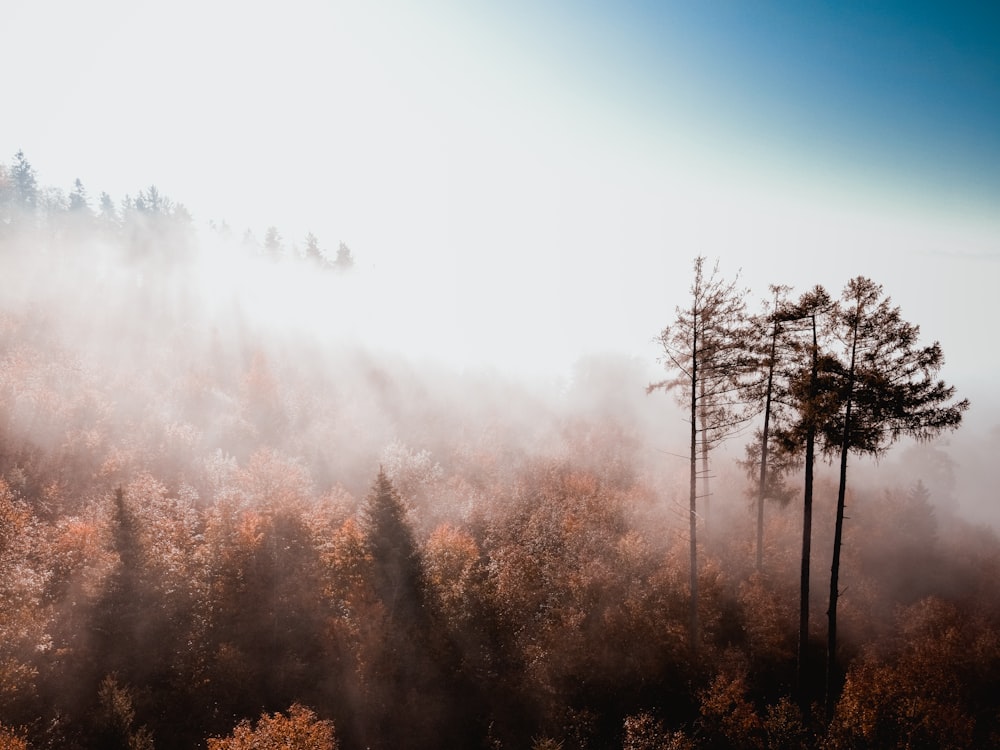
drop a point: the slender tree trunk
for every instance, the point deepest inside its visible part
(706, 490)
(807, 502)
(693, 520)
(762, 487)
(838, 535)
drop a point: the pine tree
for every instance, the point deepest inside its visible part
(888, 389)
(78, 200)
(397, 572)
(344, 260)
(313, 252)
(25, 183)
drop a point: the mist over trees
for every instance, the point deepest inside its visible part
(216, 533)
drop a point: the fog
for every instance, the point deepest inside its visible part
(239, 479)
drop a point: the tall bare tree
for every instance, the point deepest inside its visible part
(705, 350)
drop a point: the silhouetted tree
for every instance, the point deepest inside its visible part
(887, 389)
(706, 348)
(808, 394)
(766, 332)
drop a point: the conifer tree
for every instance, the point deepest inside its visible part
(344, 260)
(25, 183)
(888, 389)
(397, 572)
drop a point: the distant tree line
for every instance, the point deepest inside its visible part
(150, 223)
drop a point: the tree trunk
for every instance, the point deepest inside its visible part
(807, 501)
(838, 535)
(706, 490)
(762, 487)
(693, 515)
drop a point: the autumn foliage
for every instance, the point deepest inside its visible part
(212, 537)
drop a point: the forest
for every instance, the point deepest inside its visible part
(217, 535)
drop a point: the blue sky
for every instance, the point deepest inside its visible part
(532, 180)
(900, 93)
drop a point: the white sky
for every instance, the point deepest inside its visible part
(508, 189)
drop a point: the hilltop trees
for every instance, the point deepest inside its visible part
(147, 225)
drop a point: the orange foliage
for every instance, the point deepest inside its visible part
(300, 729)
(11, 739)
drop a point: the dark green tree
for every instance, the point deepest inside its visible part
(398, 576)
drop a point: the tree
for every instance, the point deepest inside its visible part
(413, 694)
(301, 729)
(151, 201)
(887, 390)
(313, 252)
(272, 243)
(108, 212)
(25, 183)
(78, 200)
(705, 348)
(397, 569)
(769, 329)
(806, 394)
(344, 260)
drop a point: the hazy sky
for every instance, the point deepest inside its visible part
(525, 181)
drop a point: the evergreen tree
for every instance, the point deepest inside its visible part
(25, 183)
(313, 252)
(344, 260)
(78, 200)
(398, 578)
(108, 213)
(272, 243)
